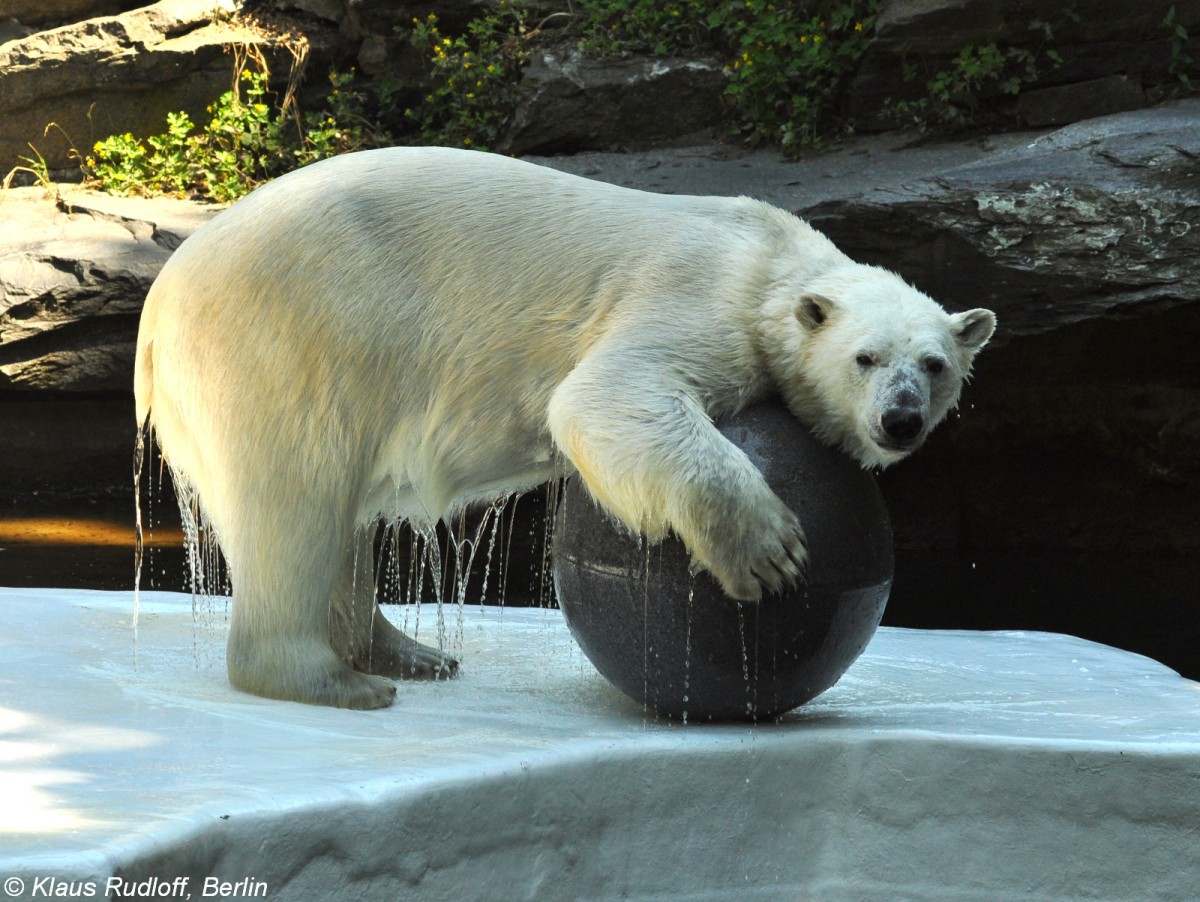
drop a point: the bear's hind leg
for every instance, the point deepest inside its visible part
(279, 639)
(395, 654)
(366, 640)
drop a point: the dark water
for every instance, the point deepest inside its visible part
(1142, 604)
(1147, 604)
(76, 545)
(87, 546)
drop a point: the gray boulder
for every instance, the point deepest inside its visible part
(57, 12)
(73, 276)
(570, 103)
(356, 18)
(1095, 219)
(1099, 218)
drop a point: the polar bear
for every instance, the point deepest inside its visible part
(402, 332)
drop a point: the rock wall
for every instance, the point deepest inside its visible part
(1083, 60)
(73, 275)
(99, 67)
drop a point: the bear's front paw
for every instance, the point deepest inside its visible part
(767, 550)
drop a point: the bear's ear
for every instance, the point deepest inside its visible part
(973, 328)
(812, 310)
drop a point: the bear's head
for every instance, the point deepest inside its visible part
(867, 362)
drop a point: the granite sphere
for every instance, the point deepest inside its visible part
(677, 643)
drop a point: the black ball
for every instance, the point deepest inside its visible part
(677, 643)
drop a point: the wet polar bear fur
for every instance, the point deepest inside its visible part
(406, 331)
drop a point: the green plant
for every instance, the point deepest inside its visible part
(952, 96)
(172, 154)
(118, 165)
(789, 71)
(472, 94)
(1180, 62)
(610, 27)
(245, 142)
(35, 166)
(343, 126)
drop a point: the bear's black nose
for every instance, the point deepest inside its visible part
(903, 423)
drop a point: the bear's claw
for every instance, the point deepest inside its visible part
(769, 553)
(395, 655)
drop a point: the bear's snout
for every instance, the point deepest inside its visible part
(902, 424)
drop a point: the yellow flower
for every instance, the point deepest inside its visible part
(446, 41)
(816, 39)
(803, 39)
(467, 142)
(858, 26)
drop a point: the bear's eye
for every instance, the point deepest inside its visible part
(934, 366)
(865, 360)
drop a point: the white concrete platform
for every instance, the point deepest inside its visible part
(944, 766)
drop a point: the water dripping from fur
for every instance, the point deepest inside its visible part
(741, 609)
(497, 514)
(206, 573)
(687, 649)
(546, 597)
(441, 569)
(139, 539)
(208, 576)
(643, 543)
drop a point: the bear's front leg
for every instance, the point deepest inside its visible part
(650, 454)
